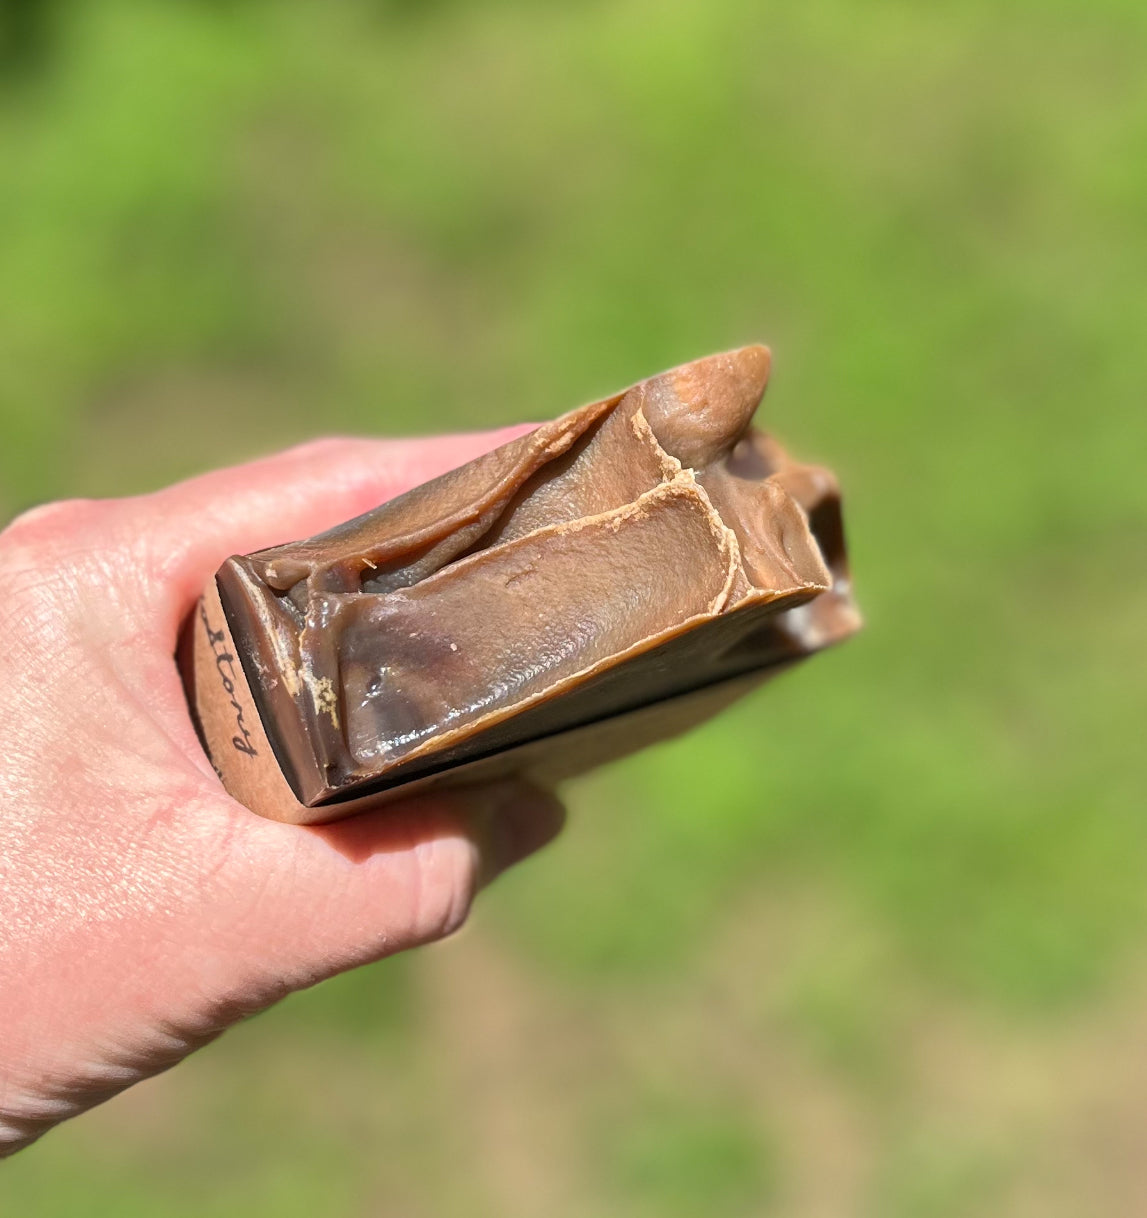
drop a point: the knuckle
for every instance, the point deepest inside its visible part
(49, 524)
(447, 883)
(455, 913)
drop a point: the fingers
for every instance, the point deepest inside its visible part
(447, 846)
(522, 819)
(190, 528)
(314, 902)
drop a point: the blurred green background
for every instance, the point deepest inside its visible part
(874, 943)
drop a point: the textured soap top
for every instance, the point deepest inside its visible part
(634, 550)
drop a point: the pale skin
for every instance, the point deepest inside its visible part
(142, 910)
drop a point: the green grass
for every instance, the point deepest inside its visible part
(251, 221)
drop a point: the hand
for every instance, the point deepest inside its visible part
(142, 910)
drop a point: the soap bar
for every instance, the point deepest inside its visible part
(610, 578)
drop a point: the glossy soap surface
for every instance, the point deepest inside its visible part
(634, 550)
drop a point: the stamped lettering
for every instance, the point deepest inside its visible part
(225, 663)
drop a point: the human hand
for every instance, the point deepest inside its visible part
(142, 910)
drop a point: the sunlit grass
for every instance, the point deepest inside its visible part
(225, 226)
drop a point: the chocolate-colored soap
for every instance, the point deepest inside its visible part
(608, 579)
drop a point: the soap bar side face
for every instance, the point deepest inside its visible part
(629, 552)
(425, 662)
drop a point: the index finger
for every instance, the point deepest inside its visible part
(193, 526)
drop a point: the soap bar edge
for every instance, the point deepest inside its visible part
(233, 735)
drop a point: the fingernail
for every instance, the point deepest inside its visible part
(517, 820)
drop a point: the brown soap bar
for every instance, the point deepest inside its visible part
(610, 578)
